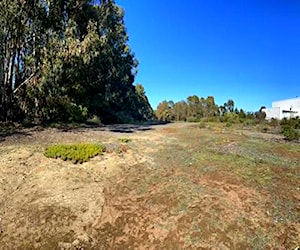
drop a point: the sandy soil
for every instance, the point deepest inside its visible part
(46, 202)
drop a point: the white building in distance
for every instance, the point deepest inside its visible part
(288, 108)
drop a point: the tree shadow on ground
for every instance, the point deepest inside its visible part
(11, 130)
(24, 131)
(118, 128)
(127, 128)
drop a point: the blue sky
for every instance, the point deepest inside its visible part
(245, 50)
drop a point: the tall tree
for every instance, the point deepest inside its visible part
(194, 107)
(66, 60)
(164, 111)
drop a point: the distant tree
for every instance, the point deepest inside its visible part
(194, 108)
(180, 111)
(164, 111)
(230, 105)
(242, 114)
(211, 107)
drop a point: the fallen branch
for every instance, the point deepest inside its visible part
(16, 89)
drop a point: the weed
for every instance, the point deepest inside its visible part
(77, 153)
(125, 140)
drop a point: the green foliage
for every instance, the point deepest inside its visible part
(164, 111)
(290, 133)
(202, 124)
(192, 119)
(77, 153)
(260, 115)
(290, 128)
(71, 63)
(292, 122)
(125, 140)
(231, 118)
(274, 122)
(94, 120)
(192, 110)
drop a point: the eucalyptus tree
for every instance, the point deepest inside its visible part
(65, 60)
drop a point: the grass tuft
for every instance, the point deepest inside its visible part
(125, 140)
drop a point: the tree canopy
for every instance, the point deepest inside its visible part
(66, 61)
(195, 108)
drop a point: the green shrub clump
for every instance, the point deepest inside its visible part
(230, 118)
(77, 153)
(290, 128)
(290, 133)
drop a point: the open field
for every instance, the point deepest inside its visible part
(175, 186)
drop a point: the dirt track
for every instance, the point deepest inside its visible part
(163, 190)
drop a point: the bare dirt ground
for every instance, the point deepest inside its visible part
(175, 186)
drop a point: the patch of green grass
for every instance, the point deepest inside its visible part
(124, 139)
(77, 153)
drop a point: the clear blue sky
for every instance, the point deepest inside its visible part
(245, 50)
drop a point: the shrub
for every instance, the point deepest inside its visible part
(211, 119)
(249, 122)
(293, 122)
(231, 118)
(274, 122)
(192, 119)
(201, 124)
(77, 153)
(260, 116)
(94, 120)
(290, 128)
(228, 124)
(290, 133)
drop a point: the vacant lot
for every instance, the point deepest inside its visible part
(176, 186)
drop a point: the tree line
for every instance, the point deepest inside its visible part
(195, 108)
(67, 60)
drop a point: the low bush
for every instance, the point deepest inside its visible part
(77, 153)
(274, 122)
(293, 122)
(290, 133)
(210, 119)
(94, 120)
(290, 128)
(231, 118)
(192, 119)
(201, 124)
(249, 122)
